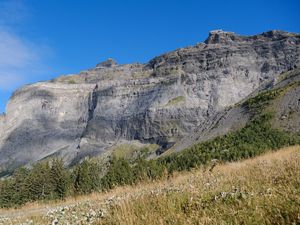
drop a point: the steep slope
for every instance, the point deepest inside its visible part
(285, 108)
(163, 101)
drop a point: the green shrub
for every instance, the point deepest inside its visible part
(86, 177)
(71, 82)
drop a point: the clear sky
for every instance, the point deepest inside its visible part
(41, 39)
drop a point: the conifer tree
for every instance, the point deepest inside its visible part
(39, 182)
(59, 179)
(20, 189)
(83, 182)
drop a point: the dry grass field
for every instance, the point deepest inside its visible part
(262, 190)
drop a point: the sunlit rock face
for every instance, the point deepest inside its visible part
(159, 102)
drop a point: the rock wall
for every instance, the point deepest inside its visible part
(158, 102)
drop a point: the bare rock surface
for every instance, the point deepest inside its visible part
(163, 101)
(286, 108)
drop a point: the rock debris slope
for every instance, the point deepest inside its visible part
(162, 101)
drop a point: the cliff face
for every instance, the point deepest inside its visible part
(159, 102)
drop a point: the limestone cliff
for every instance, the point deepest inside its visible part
(162, 101)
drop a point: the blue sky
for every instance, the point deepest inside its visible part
(41, 39)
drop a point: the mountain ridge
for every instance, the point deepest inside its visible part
(159, 102)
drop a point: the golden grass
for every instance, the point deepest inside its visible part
(262, 190)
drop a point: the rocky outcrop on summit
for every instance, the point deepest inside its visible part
(158, 102)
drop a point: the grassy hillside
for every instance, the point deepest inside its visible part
(262, 190)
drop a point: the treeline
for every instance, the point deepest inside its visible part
(50, 180)
(43, 181)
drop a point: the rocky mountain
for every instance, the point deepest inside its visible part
(172, 101)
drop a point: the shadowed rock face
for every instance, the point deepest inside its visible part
(158, 102)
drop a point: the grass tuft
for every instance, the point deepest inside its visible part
(176, 101)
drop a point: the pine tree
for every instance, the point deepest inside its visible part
(38, 182)
(6, 193)
(59, 179)
(20, 191)
(83, 182)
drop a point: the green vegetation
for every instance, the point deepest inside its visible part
(71, 82)
(132, 151)
(86, 177)
(50, 181)
(141, 74)
(262, 100)
(168, 71)
(122, 173)
(176, 101)
(42, 182)
(289, 74)
(69, 79)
